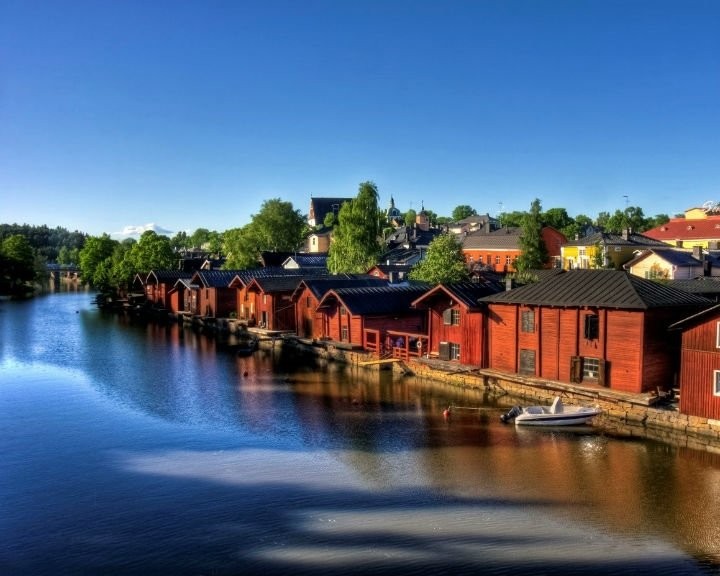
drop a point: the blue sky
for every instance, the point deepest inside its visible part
(189, 114)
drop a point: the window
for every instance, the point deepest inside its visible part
(455, 317)
(591, 368)
(527, 362)
(344, 334)
(527, 321)
(716, 383)
(454, 351)
(592, 326)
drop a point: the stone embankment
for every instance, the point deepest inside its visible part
(635, 415)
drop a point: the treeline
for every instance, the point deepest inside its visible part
(55, 245)
(357, 231)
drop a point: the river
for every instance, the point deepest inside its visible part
(142, 449)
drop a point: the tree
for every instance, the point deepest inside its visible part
(410, 217)
(463, 211)
(18, 263)
(355, 243)
(151, 252)
(558, 218)
(239, 250)
(95, 263)
(533, 252)
(181, 241)
(278, 227)
(444, 262)
(511, 219)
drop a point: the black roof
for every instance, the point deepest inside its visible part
(319, 286)
(392, 298)
(468, 293)
(168, 276)
(599, 288)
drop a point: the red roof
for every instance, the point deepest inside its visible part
(687, 229)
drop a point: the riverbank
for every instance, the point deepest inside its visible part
(635, 415)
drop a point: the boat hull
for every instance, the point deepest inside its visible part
(582, 416)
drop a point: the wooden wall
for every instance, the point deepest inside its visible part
(699, 360)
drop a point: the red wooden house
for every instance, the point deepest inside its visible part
(310, 291)
(601, 327)
(159, 286)
(699, 379)
(274, 308)
(210, 294)
(247, 302)
(457, 320)
(365, 317)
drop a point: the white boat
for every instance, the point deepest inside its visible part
(557, 414)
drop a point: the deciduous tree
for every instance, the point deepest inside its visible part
(533, 252)
(463, 211)
(443, 263)
(355, 244)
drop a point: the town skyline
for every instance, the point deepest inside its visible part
(116, 115)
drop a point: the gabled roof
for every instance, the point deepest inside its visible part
(320, 286)
(246, 276)
(502, 239)
(599, 288)
(274, 284)
(697, 285)
(687, 229)
(315, 260)
(376, 301)
(467, 293)
(695, 319)
(319, 207)
(167, 276)
(681, 258)
(610, 239)
(213, 278)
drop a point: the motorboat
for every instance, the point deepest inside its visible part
(557, 414)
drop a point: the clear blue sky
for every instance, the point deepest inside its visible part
(190, 114)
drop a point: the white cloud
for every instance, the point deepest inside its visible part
(136, 231)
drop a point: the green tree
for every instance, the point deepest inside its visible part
(181, 241)
(533, 252)
(151, 252)
(278, 227)
(557, 218)
(239, 249)
(511, 219)
(463, 211)
(444, 262)
(95, 261)
(410, 217)
(355, 243)
(200, 238)
(18, 264)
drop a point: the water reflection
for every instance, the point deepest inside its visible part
(132, 448)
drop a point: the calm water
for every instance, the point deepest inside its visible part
(130, 449)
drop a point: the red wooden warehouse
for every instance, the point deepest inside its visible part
(457, 320)
(699, 380)
(365, 317)
(600, 327)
